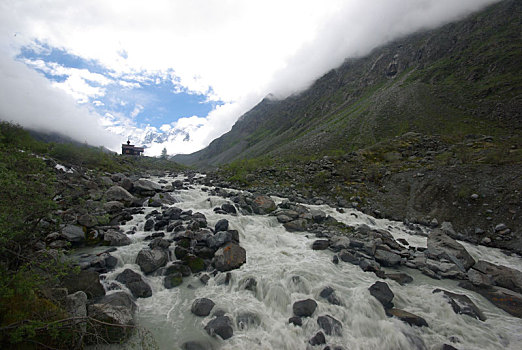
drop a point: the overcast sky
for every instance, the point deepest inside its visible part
(178, 74)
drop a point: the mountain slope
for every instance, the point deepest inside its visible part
(463, 78)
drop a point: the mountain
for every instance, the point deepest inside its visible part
(463, 78)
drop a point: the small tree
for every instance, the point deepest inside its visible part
(164, 154)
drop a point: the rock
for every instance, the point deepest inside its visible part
(369, 265)
(229, 257)
(117, 309)
(386, 258)
(408, 317)
(440, 245)
(87, 220)
(249, 283)
(222, 326)
(263, 205)
(229, 208)
(317, 339)
(76, 306)
(500, 227)
(118, 193)
(149, 225)
(462, 304)
(159, 243)
(221, 225)
(348, 257)
(304, 308)
(219, 239)
(196, 264)
(173, 280)
(383, 293)
(150, 260)
(247, 320)
(295, 320)
(73, 234)
(400, 278)
(133, 280)
(204, 278)
(160, 199)
(195, 345)
(202, 307)
(329, 294)
(474, 196)
(503, 298)
(330, 325)
(178, 267)
(145, 187)
(113, 207)
(86, 281)
(116, 239)
(296, 225)
(448, 229)
(501, 276)
(320, 244)
(318, 216)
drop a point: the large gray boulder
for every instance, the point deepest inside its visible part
(407, 317)
(202, 307)
(145, 187)
(387, 258)
(160, 199)
(503, 298)
(263, 205)
(330, 325)
(116, 309)
(133, 280)
(304, 308)
(383, 293)
(76, 306)
(222, 326)
(462, 304)
(296, 225)
(150, 260)
(501, 276)
(116, 239)
(73, 234)
(229, 257)
(119, 194)
(86, 281)
(442, 246)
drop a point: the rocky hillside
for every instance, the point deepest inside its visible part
(464, 78)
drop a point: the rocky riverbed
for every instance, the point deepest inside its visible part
(205, 267)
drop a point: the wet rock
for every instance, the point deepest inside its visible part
(329, 294)
(249, 283)
(229, 208)
(462, 304)
(408, 317)
(116, 309)
(317, 339)
(263, 205)
(304, 308)
(160, 199)
(133, 280)
(295, 320)
(318, 216)
(86, 281)
(229, 257)
(296, 225)
(247, 320)
(173, 280)
(116, 239)
(196, 264)
(320, 244)
(369, 265)
(113, 207)
(348, 257)
(400, 278)
(330, 325)
(196, 345)
(150, 260)
(503, 298)
(335, 259)
(219, 239)
(202, 307)
(204, 278)
(145, 187)
(222, 326)
(386, 258)
(177, 267)
(221, 225)
(501, 276)
(149, 225)
(159, 243)
(440, 245)
(383, 293)
(76, 306)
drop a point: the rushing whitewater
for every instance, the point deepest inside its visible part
(287, 270)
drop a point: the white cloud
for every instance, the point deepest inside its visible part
(235, 51)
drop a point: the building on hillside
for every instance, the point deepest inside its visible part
(131, 149)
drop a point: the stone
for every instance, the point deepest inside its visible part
(219, 239)
(348, 257)
(116, 239)
(501, 276)
(119, 194)
(133, 280)
(317, 339)
(400, 278)
(150, 260)
(196, 264)
(440, 245)
(318, 216)
(87, 220)
(73, 234)
(246, 320)
(296, 320)
(160, 199)
(408, 317)
(503, 298)
(229, 208)
(116, 309)
(330, 325)
(263, 205)
(320, 244)
(173, 280)
(329, 294)
(86, 281)
(202, 307)
(76, 306)
(296, 225)
(222, 326)
(304, 308)
(178, 267)
(195, 345)
(221, 225)
(113, 207)
(462, 304)
(386, 258)
(229, 257)
(159, 243)
(383, 293)
(500, 227)
(369, 265)
(145, 187)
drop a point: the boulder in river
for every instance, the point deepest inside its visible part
(383, 293)
(304, 308)
(222, 326)
(119, 194)
(87, 281)
(116, 239)
(229, 257)
(150, 260)
(173, 280)
(202, 307)
(462, 304)
(330, 325)
(387, 258)
(503, 298)
(442, 246)
(296, 225)
(501, 276)
(317, 339)
(263, 205)
(133, 280)
(73, 234)
(408, 317)
(221, 225)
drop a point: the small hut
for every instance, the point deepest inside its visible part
(131, 149)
